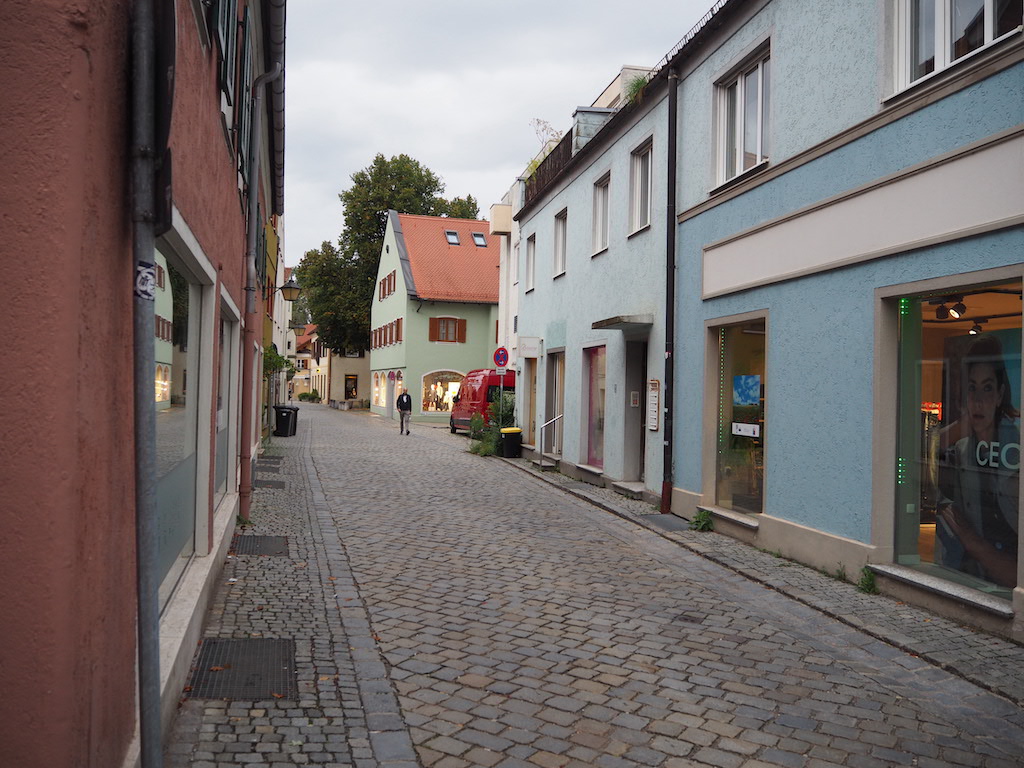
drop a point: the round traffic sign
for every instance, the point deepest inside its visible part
(501, 357)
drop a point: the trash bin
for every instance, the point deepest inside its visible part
(286, 418)
(511, 442)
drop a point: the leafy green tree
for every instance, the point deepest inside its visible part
(338, 281)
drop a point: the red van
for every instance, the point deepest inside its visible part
(478, 390)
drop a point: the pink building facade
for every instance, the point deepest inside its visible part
(69, 556)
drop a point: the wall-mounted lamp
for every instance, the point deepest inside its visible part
(290, 290)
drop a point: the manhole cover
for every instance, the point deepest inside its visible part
(260, 545)
(269, 484)
(249, 669)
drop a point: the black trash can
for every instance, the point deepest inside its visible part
(287, 418)
(511, 442)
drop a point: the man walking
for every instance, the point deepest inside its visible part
(404, 412)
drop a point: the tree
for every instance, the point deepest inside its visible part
(338, 281)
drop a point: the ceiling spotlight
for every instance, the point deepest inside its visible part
(976, 328)
(942, 312)
(957, 310)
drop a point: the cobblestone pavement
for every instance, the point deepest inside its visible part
(451, 611)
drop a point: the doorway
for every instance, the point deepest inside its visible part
(554, 402)
(634, 427)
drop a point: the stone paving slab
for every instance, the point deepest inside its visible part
(450, 611)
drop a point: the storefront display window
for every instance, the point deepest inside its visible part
(176, 433)
(959, 435)
(351, 387)
(741, 408)
(595, 357)
(439, 390)
(376, 389)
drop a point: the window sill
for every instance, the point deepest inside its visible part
(636, 232)
(740, 177)
(739, 518)
(528, 290)
(595, 254)
(560, 274)
(945, 588)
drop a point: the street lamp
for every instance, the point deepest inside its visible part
(290, 290)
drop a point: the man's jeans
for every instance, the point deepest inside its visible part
(403, 421)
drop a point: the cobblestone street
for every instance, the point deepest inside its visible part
(449, 610)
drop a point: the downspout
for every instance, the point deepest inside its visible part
(670, 284)
(249, 377)
(143, 139)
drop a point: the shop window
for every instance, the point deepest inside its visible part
(958, 457)
(439, 390)
(177, 429)
(739, 470)
(376, 389)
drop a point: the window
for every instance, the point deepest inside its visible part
(640, 188)
(439, 390)
(531, 260)
(958, 445)
(452, 237)
(561, 221)
(933, 34)
(447, 329)
(743, 116)
(479, 239)
(601, 214)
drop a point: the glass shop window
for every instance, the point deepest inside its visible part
(958, 460)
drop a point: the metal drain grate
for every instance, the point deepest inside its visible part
(273, 469)
(249, 669)
(269, 484)
(275, 459)
(668, 522)
(260, 545)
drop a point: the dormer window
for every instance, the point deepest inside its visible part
(479, 239)
(452, 237)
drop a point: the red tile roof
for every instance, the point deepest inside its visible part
(443, 272)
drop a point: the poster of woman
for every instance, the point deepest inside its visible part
(977, 519)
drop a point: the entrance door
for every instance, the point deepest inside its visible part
(530, 400)
(634, 429)
(389, 402)
(555, 402)
(741, 408)
(595, 402)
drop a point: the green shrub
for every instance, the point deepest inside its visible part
(867, 584)
(476, 426)
(702, 521)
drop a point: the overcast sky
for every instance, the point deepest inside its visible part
(453, 84)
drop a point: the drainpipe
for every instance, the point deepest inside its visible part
(670, 284)
(143, 248)
(249, 378)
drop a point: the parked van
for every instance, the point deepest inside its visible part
(478, 390)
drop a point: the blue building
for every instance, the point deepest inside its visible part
(845, 384)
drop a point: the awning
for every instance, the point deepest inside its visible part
(631, 325)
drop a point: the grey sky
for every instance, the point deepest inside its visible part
(451, 83)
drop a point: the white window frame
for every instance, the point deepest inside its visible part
(942, 42)
(758, 64)
(561, 238)
(531, 261)
(601, 213)
(641, 181)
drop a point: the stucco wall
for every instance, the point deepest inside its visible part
(626, 279)
(819, 86)
(66, 556)
(821, 327)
